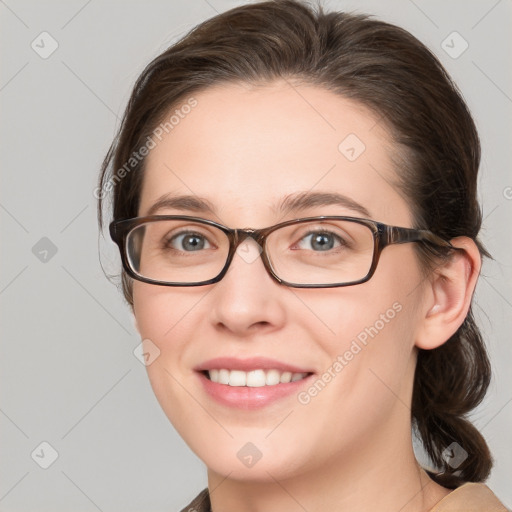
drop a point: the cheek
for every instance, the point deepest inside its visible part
(370, 343)
(167, 317)
(163, 311)
(371, 327)
(384, 307)
(366, 379)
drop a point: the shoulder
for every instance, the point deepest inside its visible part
(470, 497)
(201, 503)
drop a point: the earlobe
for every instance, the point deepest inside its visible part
(451, 290)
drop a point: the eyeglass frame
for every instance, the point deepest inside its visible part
(383, 236)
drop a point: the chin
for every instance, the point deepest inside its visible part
(245, 460)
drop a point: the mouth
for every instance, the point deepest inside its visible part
(251, 383)
(255, 378)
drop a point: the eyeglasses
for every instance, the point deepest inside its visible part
(312, 252)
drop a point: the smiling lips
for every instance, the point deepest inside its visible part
(250, 383)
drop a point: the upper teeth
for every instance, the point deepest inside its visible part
(254, 378)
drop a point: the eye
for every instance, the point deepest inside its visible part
(320, 241)
(189, 241)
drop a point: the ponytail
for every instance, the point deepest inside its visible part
(449, 382)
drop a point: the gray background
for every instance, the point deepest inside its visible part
(68, 373)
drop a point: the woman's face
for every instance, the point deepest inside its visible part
(243, 150)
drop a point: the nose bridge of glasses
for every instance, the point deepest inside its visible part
(247, 244)
(242, 235)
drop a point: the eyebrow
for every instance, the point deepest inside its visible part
(292, 203)
(305, 200)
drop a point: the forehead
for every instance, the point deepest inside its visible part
(244, 148)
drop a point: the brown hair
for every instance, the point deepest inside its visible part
(389, 71)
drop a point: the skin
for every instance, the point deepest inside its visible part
(244, 148)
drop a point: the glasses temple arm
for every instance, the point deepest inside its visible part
(398, 235)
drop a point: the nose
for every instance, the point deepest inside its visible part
(248, 300)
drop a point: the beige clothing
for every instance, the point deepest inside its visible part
(469, 497)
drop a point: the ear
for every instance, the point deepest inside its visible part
(449, 294)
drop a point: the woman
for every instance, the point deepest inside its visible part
(294, 199)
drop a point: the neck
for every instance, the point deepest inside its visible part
(376, 474)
